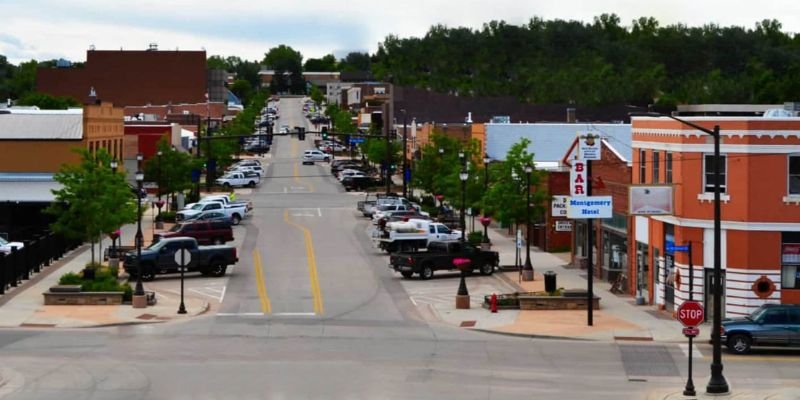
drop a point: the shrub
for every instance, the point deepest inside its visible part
(70, 278)
(475, 237)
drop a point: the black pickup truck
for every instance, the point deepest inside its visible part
(440, 256)
(159, 258)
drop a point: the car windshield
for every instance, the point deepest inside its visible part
(198, 206)
(3, 242)
(757, 314)
(176, 228)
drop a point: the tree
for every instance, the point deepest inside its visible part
(172, 172)
(324, 64)
(283, 59)
(48, 102)
(242, 89)
(506, 198)
(355, 61)
(316, 95)
(93, 200)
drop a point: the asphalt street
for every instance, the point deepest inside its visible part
(312, 312)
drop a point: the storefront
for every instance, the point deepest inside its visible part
(790, 260)
(615, 247)
(668, 270)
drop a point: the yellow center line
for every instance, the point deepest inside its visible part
(266, 306)
(299, 181)
(316, 291)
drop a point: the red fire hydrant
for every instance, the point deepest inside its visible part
(493, 303)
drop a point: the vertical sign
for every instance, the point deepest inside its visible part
(577, 179)
(589, 147)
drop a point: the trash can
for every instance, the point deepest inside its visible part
(549, 281)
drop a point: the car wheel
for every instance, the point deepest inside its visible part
(739, 343)
(427, 272)
(487, 269)
(217, 269)
(236, 219)
(148, 273)
(407, 274)
(252, 184)
(226, 185)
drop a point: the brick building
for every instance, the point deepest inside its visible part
(760, 239)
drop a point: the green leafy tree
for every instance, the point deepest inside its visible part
(48, 102)
(355, 61)
(324, 64)
(316, 95)
(93, 201)
(437, 172)
(242, 89)
(172, 172)
(287, 64)
(506, 198)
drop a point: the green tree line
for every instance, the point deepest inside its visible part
(603, 62)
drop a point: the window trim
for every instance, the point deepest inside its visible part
(789, 174)
(724, 185)
(642, 166)
(656, 170)
(668, 167)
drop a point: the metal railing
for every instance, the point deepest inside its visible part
(37, 253)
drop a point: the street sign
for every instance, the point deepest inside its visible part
(589, 207)
(183, 257)
(671, 248)
(577, 178)
(589, 147)
(563, 226)
(356, 140)
(691, 314)
(691, 332)
(558, 206)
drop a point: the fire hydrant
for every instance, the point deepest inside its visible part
(493, 303)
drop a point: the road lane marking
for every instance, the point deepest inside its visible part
(316, 292)
(245, 314)
(305, 185)
(695, 351)
(266, 306)
(295, 314)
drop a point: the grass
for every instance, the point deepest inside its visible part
(105, 280)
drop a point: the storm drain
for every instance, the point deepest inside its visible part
(640, 360)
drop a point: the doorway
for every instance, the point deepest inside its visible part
(708, 293)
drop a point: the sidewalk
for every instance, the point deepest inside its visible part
(617, 319)
(24, 306)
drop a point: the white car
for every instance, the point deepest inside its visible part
(5, 246)
(249, 168)
(350, 172)
(312, 156)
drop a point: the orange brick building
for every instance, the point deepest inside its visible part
(760, 187)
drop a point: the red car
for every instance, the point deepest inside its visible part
(205, 232)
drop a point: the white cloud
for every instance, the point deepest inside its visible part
(50, 29)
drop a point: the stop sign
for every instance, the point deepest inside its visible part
(691, 313)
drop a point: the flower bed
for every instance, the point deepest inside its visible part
(542, 300)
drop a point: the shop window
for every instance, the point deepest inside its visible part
(794, 174)
(668, 168)
(790, 270)
(642, 165)
(656, 165)
(708, 174)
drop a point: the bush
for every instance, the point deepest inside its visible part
(70, 278)
(475, 237)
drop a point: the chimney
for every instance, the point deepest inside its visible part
(571, 115)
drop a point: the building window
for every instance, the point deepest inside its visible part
(642, 165)
(708, 174)
(668, 168)
(656, 166)
(794, 174)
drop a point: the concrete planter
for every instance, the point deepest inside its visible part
(572, 300)
(72, 296)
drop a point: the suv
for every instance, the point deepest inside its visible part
(311, 156)
(768, 325)
(205, 232)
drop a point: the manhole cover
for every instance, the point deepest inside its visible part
(468, 324)
(146, 317)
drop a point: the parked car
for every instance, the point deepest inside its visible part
(205, 232)
(440, 256)
(248, 162)
(349, 172)
(768, 325)
(414, 234)
(237, 179)
(249, 168)
(358, 182)
(312, 156)
(159, 258)
(5, 246)
(209, 216)
(225, 199)
(236, 212)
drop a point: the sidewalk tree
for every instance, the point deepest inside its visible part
(437, 173)
(93, 200)
(506, 198)
(174, 174)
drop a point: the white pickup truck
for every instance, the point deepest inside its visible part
(236, 212)
(414, 234)
(225, 199)
(234, 179)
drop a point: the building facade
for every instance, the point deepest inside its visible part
(760, 195)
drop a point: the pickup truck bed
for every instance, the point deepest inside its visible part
(440, 256)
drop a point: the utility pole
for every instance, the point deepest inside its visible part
(589, 243)
(405, 156)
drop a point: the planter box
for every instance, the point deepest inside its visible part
(54, 298)
(556, 303)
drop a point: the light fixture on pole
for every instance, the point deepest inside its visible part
(486, 161)
(158, 177)
(717, 384)
(527, 270)
(463, 175)
(114, 165)
(139, 290)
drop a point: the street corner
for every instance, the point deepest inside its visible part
(165, 310)
(783, 393)
(73, 316)
(573, 324)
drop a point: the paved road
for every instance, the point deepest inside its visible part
(312, 312)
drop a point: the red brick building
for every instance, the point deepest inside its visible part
(131, 77)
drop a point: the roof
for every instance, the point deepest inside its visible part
(27, 188)
(42, 125)
(549, 142)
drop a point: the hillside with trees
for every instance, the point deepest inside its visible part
(599, 63)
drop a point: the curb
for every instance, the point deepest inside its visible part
(204, 309)
(532, 336)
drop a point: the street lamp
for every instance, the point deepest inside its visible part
(486, 160)
(139, 291)
(527, 270)
(114, 165)
(405, 156)
(463, 175)
(160, 153)
(441, 151)
(717, 383)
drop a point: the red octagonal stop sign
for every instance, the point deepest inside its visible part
(691, 314)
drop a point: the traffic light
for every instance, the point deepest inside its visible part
(301, 133)
(324, 133)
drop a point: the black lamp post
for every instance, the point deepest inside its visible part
(139, 291)
(114, 166)
(463, 175)
(158, 182)
(486, 160)
(527, 270)
(405, 155)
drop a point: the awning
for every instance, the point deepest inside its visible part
(27, 188)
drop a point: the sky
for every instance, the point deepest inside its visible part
(50, 29)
